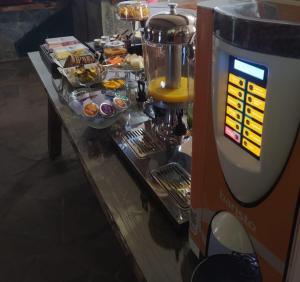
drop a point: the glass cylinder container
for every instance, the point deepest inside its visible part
(167, 38)
(133, 11)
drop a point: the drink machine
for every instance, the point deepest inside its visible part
(168, 40)
(246, 141)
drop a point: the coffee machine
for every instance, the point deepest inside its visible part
(154, 144)
(246, 141)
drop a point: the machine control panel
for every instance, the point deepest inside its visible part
(245, 104)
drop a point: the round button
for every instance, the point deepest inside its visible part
(248, 122)
(248, 111)
(239, 105)
(237, 127)
(245, 143)
(251, 87)
(250, 99)
(246, 132)
(241, 82)
(240, 94)
(238, 116)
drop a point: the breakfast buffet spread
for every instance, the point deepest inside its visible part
(94, 78)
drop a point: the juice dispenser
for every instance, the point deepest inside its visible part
(168, 38)
(151, 145)
(246, 142)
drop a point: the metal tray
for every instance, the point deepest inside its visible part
(176, 180)
(142, 143)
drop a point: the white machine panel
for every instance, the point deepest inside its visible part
(256, 117)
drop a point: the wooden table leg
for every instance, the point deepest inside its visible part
(54, 132)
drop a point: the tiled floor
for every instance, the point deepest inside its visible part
(51, 226)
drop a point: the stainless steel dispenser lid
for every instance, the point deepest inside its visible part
(261, 26)
(170, 27)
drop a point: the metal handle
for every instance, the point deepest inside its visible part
(172, 7)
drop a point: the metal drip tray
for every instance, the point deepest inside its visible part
(142, 143)
(163, 169)
(176, 181)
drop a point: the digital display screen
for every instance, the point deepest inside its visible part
(245, 104)
(249, 69)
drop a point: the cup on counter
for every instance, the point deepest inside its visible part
(105, 38)
(97, 42)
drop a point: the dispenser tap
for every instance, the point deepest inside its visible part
(141, 91)
(180, 128)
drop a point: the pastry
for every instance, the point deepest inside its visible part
(87, 74)
(109, 52)
(73, 61)
(114, 83)
(133, 11)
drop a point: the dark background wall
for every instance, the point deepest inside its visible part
(15, 24)
(24, 28)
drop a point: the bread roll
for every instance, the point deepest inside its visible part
(73, 61)
(109, 52)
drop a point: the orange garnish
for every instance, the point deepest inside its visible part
(116, 60)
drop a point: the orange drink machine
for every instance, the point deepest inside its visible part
(246, 141)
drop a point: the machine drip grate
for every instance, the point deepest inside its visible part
(177, 181)
(142, 143)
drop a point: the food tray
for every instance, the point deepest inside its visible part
(77, 100)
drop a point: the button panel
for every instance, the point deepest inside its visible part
(234, 113)
(234, 91)
(255, 126)
(255, 102)
(235, 103)
(251, 147)
(232, 134)
(248, 133)
(254, 114)
(236, 80)
(257, 90)
(234, 124)
(245, 104)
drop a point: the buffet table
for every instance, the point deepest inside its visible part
(156, 250)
